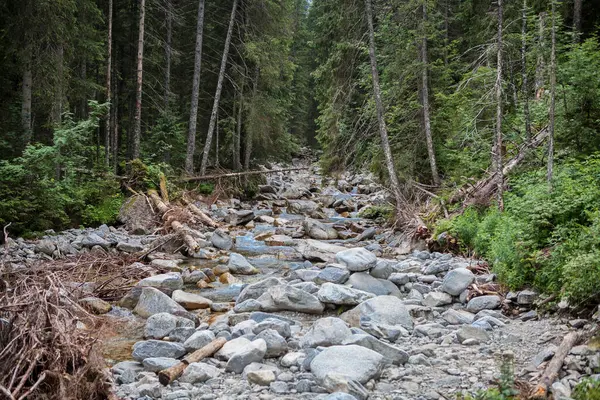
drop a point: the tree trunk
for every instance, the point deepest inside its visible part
(57, 107)
(552, 100)
(26, 100)
(525, 83)
(497, 148)
(249, 138)
(83, 114)
(213, 115)
(425, 100)
(385, 144)
(577, 20)
(115, 130)
(446, 31)
(554, 366)
(168, 51)
(137, 128)
(191, 139)
(108, 86)
(217, 142)
(238, 129)
(541, 63)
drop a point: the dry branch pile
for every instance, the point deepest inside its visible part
(46, 338)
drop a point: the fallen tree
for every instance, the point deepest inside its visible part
(238, 174)
(168, 375)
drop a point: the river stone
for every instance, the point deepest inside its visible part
(93, 239)
(383, 269)
(334, 273)
(315, 250)
(326, 332)
(181, 334)
(239, 217)
(381, 310)
(471, 332)
(239, 265)
(231, 347)
(458, 317)
(45, 246)
(399, 278)
(198, 340)
(193, 277)
(130, 247)
(352, 361)
(261, 377)
(339, 396)
(157, 348)
(357, 259)
(166, 282)
(457, 280)
(252, 352)
(392, 355)
(161, 325)
(526, 297)
(191, 301)
(342, 295)
(477, 304)
(199, 372)
(221, 240)
(156, 364)
(153, 301)
(379, 287)
(318, 230)
(289, 298)
(276, 344)
(282, 327)
(255, 290)
(302, 207)
(243, 328)
(247, 306)
(437, 299)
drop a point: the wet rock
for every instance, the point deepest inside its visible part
(239, 217)
(252, 352)
(239, 265)
(457, 280)
(477, 304)
(334, 273)
(392, 355)
(199, 372)
(221, 240)
(437, 299)
(356, 259)
(157, 348)
(276, 344)
(153, 301)
(191, 301)
(352, 362)
(289, 298)
(165, 282)
(379, 287)
(198, 340)
(342, 295)
(156, 364)
(326, 332)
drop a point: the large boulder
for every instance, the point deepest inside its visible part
(458, 317)
(318, 230)
(45, 246)
(477, 304)
(353, 362)
(199, 372)
(381, 310)
(221, 240)
(437, 299)
(239, 217)
(289, 298)
(457, 280)
(326, 332)
(334, 273)
(392, 354)
(231, 347)
(255, 290)
(357, 259)
(304, 207)
(332, 293)
(137, 215)
(276, 344)
(379, 287)
(153, 301)
(157, 348)
(239, 265)
(252, 352)
(165, 282)
(315, 250)
(198, 340)
(161, 325)
(191, 301)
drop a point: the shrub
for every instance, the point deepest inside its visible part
(588, 389)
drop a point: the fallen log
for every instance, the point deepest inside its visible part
(236, 174)
(201, 215)
(168, 375)
(177, 226)
(541, 391)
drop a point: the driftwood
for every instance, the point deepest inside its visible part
(236, 174)
(168, 375)
(201, 214)
(177, 226)
(553, 368)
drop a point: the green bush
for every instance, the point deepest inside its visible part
(588, 389)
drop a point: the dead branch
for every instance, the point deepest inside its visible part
(168, 375)
(236, 174)
(177, 226)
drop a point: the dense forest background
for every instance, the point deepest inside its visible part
(94, 91)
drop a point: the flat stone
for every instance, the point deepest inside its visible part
(381, 310)
(334, 273)
(379, 287)
(153, 301)
(356, 259)
(285, 297)
(156, 364)
(352, 361)
(332, 293)
(477, 304)
(262, 377)
(157, 348)
(315, 250)
(191, 301)
(166, 282)
(458, 317)
(437, 299)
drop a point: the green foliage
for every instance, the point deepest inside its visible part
(376, 212)
(166, 141)
(588, 389)
(205, 188)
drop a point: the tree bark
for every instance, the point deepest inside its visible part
(108, 86)
(137, 128)
(577, 20)
(497, 148)
(425, 100)
(249, 138)
(115, 130)
(191, 139)
(213, 115)
(168, 375)
(238, 129)
(553, 368)
(552, 100)
(57, 107)
(26, 100)
(168, 51)
(541, 63)
(525, 83)
(385, 144)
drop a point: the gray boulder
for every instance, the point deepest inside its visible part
(381, 310)
(221, 240)
(353, 362)
(231, 347)
(255, 290)
(392, 355)
(356, 259)
(457, 280)
(157, 348)
(239, 265)
(45, 246)
(437, 299)
(318, 230)
(240, 217)
(156, 364)
(458, 317)
(334, 273)
(471, 332)
(252, 352)
(280, 326)
(379, 287)
(161, 325)
(276, 344)
(198, 340)
(199, 372)
(326, 332)
(332, 293)
(165, 282)
(289, 298)
(153, 301)
(477, 304)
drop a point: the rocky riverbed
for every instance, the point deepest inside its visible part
(314, 301)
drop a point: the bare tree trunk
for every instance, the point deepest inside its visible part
(108, 85)
(497, 148)
(238, 129)
(168, 51)
(191, 140)
(525, 83)
(115, 131)
(446, 32)
(57, 107)
(84, 99)
(26, 100)
(577, 20)
(385, 144)
(217, 142)
(552, 100)
(541, 63)
(137, 129)
(249, 138)
(213, 115)
(425, 100)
